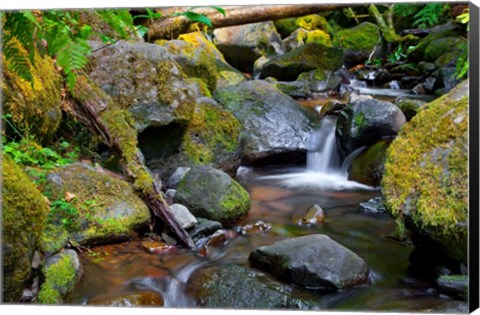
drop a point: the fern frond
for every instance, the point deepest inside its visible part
(121, 21)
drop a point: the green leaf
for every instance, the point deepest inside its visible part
(222, 11)
(197, 18)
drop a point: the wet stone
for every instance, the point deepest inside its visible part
(183, 216)
(454, 285)
(141, 298)
(158, 248)
(204, 228)
(374, 205)
(314, 215)
(255, 228)
(312, 262)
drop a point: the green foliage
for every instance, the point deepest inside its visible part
(27, 152)
(196, 17)
(64, 212)
(397, 55)
(430, 15)
(461, 70)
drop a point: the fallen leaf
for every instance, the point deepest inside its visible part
(69, 196)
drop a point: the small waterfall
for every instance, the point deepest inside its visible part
(322, 149)
(323, 169)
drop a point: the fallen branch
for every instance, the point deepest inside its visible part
(92, 107)
(170, 28)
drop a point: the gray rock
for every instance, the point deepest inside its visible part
(170, 193)
(314, 262)
(183, 216)
(129, 73)
(177, 176)
(204, 228)
(374, 205)
(212, 194)
(450, 307)
(454, 285)
(313, 56)
(243, 44)
(233, 286)
(366, 121)
(273, 123)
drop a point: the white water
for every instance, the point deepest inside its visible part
(323, 169)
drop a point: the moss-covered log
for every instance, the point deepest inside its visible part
(95, 109)
(172, 27)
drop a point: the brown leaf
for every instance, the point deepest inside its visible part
(69, 196)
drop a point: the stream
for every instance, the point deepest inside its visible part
(280, 196)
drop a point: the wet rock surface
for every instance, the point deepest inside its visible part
(314, 262)
(273, 124)
(365, 121)
(238, 287)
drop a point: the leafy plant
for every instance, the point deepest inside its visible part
(196, 17)
(430, 15)
(66, 213)
(397, 55)
(29, 153)
(62, 36)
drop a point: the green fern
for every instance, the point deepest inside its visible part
(430, 15)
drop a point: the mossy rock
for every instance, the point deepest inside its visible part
(440, 46)
(314, 22)
(313, 56)
(212, 194)
(419, 52)
(61, 273)
(367, 168)
(360, 39)
(301, 37)
(286, 26)
(212, 137)
(201, 59)
(35, 108)
(409, 107)
(241, 45)
(425, 181)
(24, 217)
(146, 80)
(105, 208)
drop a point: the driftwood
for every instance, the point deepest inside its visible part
(95, 110)
(170, 28)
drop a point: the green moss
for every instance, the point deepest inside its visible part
(426, 172)
(314, 22)
(367, 168)
(319, 37)
(106, 206)
(285, 27)
(34, 110)
(24, 214)
(418, 53)
(211, 132)
(60, 279)
(440, 46)
(53, 239)
(362, 38)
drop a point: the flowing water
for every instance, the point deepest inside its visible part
(280, 196)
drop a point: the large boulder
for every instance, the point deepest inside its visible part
(33, 108)
(211, 137)
(425, 182)
(62, 272)
(212, 194)
(243, 44)
(301, 37)
(313, 262)
(237, 287)
(146, 80)
(366, 121)
(358, 42)
(104, 208)
(312, 56)
(274, 125)
(24, 214)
